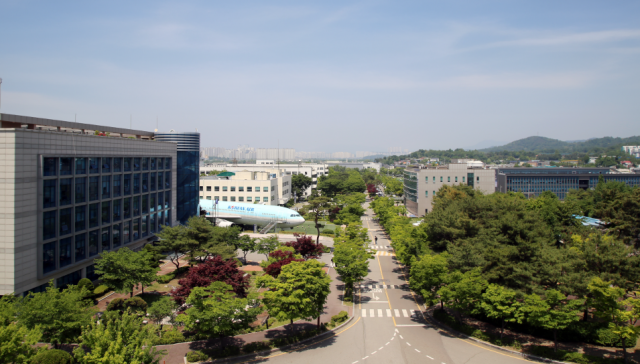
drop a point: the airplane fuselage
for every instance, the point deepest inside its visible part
(251, 214)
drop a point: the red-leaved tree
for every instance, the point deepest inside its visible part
(305, 246)
(212, 270)
(371, 189)
(282, 258)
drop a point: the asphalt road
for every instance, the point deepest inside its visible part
(388, 326)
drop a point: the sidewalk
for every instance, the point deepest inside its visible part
(176, 352)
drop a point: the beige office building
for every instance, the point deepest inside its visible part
(421, 185)
(269, 187)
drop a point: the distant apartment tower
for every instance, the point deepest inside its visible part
(188, 171)
(634, 150)
(286, 154)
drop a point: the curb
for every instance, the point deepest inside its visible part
(464, 336)
(261, 354)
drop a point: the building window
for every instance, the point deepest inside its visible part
(426, 193)
(106, 186)
(273, 188)
(127, 184)
(224, 198)
(167, 163)
(456, 178)
(66, 166)
(145, 164)
(434, 194)
(65, 221)
(167, 199)
(440, 178)
(93, 215)
(91, 273)
(49, 167)
(136, 183)
(152, 164)
(49, 193)
(145, 226)
(265, 199)
(81, 218)
(117, 210)
(463, 179)
(127, 164)
(145, 182)
(224, 188)
(248, 198)
(49, 257)
(65, 252)
(117, 185)
(69, 279)
(152, 181)
(136, 164)
(106, 165)
(257, 198)
(167, 180)
(94, 188)
(81, 189)
(106, 237)
(81, 246)
(160, 181)
(208, 197)
(136, 229)
(145, 204)
(249, 189)
(160, 163)
(434, 179)
(233, 198)
(240, 199)
(152, 223)
(94, 165)
(217, 198)
(106, 212)
(136, 206)
(81, 165)
(208, 188)
(116, 236)
(93, 242)
(265, 189)
(233, 188)
(201, 188)
(49, 225)
(152, 202)
(126, 232)
(117, 164)
(66, 185)
(257, 188)
(160, 200)
(478, 179)
(216, 188)
(126, 207)
(241, 189)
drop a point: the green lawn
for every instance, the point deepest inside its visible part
(308, 227)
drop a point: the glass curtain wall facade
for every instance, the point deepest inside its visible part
(188, 172)
(82, 219)
(411, 191)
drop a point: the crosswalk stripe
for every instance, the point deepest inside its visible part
(371, 312)
(404, 313)
(413, 313)
(388, 312)
(364, 312)
(379, 312)
(395, 310)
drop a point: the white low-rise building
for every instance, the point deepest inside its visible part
(271, 187)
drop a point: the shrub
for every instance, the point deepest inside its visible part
(136, 304)
(166, 278)
(256, 346)
(101, 289)
(86, 282)
(116, 305)
(52, 356)
(327, 231)
(195, 356)
(170, 337)
(339, 318)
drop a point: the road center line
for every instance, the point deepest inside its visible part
(429, 357)
(417, 350)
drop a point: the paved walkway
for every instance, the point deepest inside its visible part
(176, 352)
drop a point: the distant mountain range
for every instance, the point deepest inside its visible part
(548, 145)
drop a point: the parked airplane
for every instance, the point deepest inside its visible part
(250, 214)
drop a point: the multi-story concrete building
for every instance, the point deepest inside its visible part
(533, 181)
(634, 150)
(421, 185)
(270, 187)
(68, 195)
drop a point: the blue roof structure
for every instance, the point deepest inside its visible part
(589, 221)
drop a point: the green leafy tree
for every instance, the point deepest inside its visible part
(60, 314)
(117, 340)
(246, 244)
(154, 254)
(17, 343)
(317, 207)
(300, 183)
(500, 303)
(8, 311)
(463, 292)
(161, 309)
(300, 291)
(428, 275)
(172, 241)
(124, 269)
(268, 245)
(216, 311)
(351, 261)
(554, 312)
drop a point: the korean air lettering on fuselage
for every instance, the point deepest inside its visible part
(241, 208)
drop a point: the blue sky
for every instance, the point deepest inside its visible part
(329, 75)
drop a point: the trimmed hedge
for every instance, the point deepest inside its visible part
(196, 356)
(101, 289)
(336, 320)
(136, 304)
(52, 356)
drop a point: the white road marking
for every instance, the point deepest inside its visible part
(382, 347)
(404, 313)
(395, 310)
(364, 312)
(429, 357)
(408, 344)
(379, 312)
(416, 350)
(364, 357)
(413, 312)
(401, 337)
(388, 342)
(371, 313)
(374, 352)
(397, 331)
(354, 362)
(388, 312)
(393, 338)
